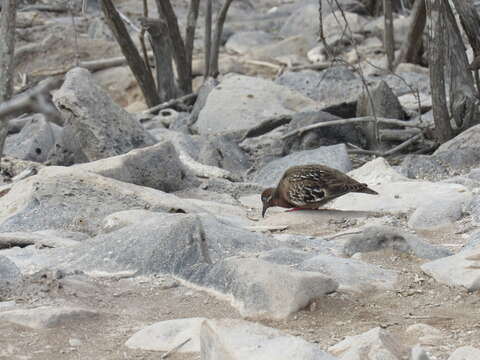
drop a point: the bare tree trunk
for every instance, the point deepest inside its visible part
(7, 64)
(471, 24)
(162, 51)
(134, 60)
(217, 38)
(464, 105)
(184, 73)
(208, 37)
(190, 31)
(436, 58)
(411, 50)
(388, 38)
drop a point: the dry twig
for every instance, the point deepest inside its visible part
(170, 103)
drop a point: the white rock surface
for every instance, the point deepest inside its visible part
(465, 353)
(462, 269)
(248, 100)
(229, 339)
(165, 335)
(47, 316)
(375, 344)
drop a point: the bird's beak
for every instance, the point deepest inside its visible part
(265, 207)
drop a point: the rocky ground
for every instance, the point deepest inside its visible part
(124, 234)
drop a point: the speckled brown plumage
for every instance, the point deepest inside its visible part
(311, 186)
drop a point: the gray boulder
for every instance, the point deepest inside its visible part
(457, 270)
(73, 199)
(209, 150)
(329, 135)
(352, 275)
(335, 89)
(200, 250)
(334, 156)
(10, 276)
(439, 213)
(95, 127)
(457, 155)
(34, 142)
(374, 238)
(228, 339)
(156, 166)
(376, 343)
(465, 353)
(242, 42)
(240, 102)
(385, 103)
(473, 241)
(44, 317)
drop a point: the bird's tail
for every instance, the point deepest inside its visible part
(366, 190)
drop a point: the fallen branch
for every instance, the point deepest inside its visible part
(175, 349)
(31, 100)
(388, 152)
(170, 103)
(267, 125)
(398, 134)
(350, 121)
(45, 7)
(318, 67)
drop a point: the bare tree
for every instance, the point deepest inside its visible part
(7, 65)
(137, 65)
(436, 56)
(411, 50)
(217, 37)
(388, 37)
(184, 72)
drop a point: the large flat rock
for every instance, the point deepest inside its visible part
(241, 102)
(462, 269)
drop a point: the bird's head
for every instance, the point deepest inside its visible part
(267, 199)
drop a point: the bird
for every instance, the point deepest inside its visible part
(309, 187)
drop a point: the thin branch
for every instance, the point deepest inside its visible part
(208, 38)
(364, 119)
(388, 37)
(390, 152)
(170, 103)
(175, 349)
(190, 31)
(217, 38)
(91, 65)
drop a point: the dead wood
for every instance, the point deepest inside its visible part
(163, 55)
(436, 57)
(364, 119)
(411, 50)
(139, 69)
(464, 104)
(217, 38)
(388, 37)
(7, 48)
(33, 100)
(7, 65)
(390, 152)
(184, 72)
(470, 21)
(192, 17)
(208, 37)
(45, 7)
(170, 103)
(267, 125)
(398, 134)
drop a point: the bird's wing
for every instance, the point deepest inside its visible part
(306, 192)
